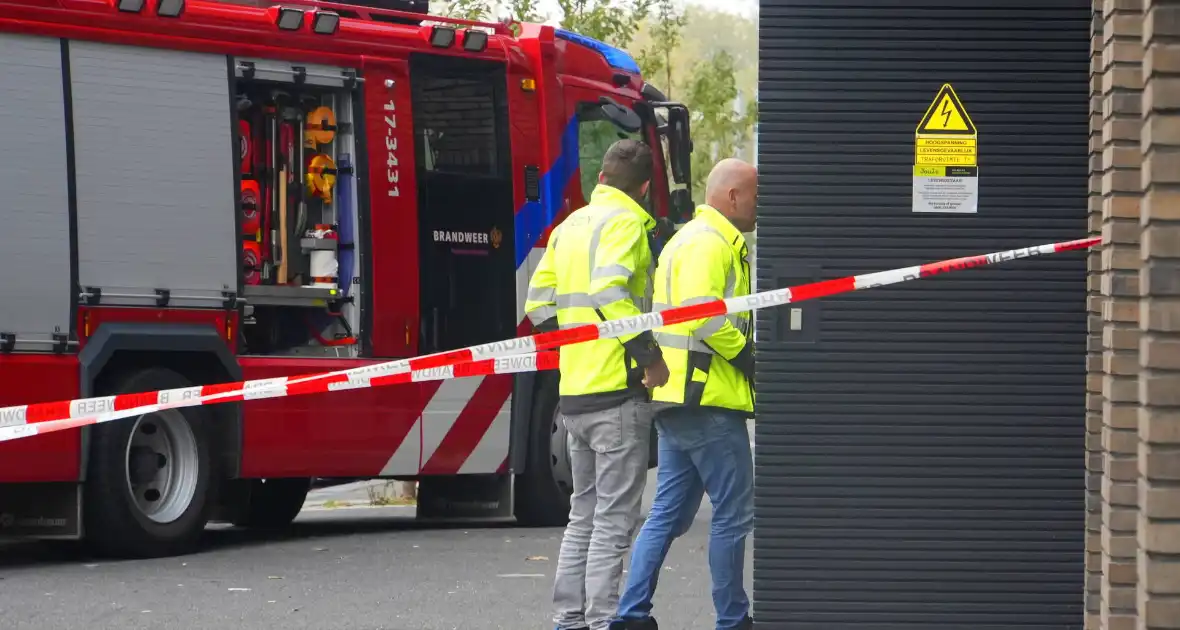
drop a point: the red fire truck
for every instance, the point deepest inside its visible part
(199, 192)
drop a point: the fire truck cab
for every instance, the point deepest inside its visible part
(200, 192)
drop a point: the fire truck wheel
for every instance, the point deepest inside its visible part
(148, 478)
(543, 491)
(272, 503)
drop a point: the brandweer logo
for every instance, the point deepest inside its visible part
(461, 238)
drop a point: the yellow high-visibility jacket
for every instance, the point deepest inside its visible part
(711, 361)
(597, 267)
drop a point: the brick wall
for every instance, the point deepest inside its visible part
(1094, 455)
(1122, 80)
(1133, 367)
(1158, 592)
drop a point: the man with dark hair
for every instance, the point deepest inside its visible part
(597, 267)
(627, 166)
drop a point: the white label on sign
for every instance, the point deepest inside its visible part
(946, 195)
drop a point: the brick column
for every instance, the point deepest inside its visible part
(1158, 591)
(1122, 80)
(1093, 597)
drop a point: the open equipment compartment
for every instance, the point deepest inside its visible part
(298, 207)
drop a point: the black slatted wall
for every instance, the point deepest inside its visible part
(920, 456)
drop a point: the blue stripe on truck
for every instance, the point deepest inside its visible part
(535, 217)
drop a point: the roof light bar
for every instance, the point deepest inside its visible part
(130, 6)
(442, 36)
(169, 8)
(289, 19)
(475, 41)
(325, 22)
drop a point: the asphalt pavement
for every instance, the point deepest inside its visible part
(342, 566)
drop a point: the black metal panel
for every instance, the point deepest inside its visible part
(920, 447)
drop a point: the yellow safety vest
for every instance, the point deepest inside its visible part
(597, 267)
(708, 358)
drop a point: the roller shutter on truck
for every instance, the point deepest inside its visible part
(35, 295)
(153, 146)
(919, 447)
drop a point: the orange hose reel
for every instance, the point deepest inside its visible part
(321, 125)
(321, 176)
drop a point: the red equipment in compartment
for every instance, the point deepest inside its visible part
(246, 142)
(252, 262)
(251, 222)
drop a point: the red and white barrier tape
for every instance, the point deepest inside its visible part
(132, 405)
(453, 364)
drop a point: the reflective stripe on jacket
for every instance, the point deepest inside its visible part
(710, 360)
(596, 267)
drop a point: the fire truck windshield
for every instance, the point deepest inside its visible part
(596, 133)
(601, 124)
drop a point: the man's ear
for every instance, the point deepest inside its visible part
(601, 178)
(643, 188)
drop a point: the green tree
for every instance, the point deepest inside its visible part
(465, 9)
(707, 32)
(612, 21)
(525, 10)
(719, 129)
(665, 29)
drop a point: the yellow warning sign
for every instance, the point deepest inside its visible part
(946, 173)
(946, 115)
(944, 142)
(945, 159)
(945, 136)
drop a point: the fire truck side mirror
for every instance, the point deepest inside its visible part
(679, 143)
(622, 116)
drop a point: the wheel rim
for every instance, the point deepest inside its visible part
(162, 465)
(559, 455)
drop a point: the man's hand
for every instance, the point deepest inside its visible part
(656, 374)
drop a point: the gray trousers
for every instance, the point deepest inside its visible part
(608, 455)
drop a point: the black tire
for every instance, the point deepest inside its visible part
(543, 491)
(115, 524)
(271, 503)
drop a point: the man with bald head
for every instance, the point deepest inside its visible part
(701, 412)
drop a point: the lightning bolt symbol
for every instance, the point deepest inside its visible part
(946, 113)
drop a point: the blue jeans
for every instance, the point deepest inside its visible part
(701, 451)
